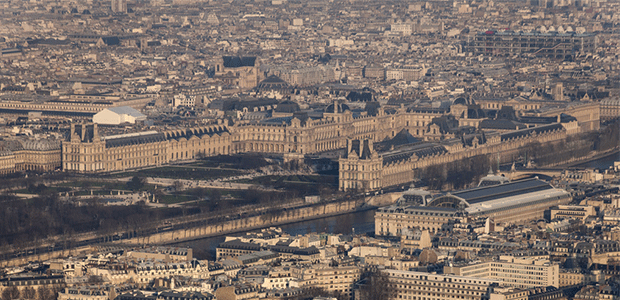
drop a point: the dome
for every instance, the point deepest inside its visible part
(41, 145)
(460, 100)
(337, 108)
(287, 106)
(475, 112)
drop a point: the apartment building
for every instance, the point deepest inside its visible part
(512, 271)
(412, 285)
(576, 212)
(331, 279)
(393, 220)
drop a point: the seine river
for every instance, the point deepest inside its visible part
(362, 221)
(601, 163)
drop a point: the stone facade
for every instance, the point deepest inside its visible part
(42, 155)
(239, 71)
(398, 166)
(339, 128)
(88, 152)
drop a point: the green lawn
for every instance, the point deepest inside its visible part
(172, 199)
(272, 180)
(184, 172)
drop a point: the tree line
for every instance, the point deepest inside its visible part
(30, 293)
(580, 145)
(466, 172)
(23, 222)
(456, 174)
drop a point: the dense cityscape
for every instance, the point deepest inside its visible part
(296, 150)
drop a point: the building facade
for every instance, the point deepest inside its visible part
(88, 152)
(361, 168)
(552, 44)
(514, 202)
(425, 286)
(393, 220)
(512, 271)
(41, 155)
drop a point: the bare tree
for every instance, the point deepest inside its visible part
(10, 293)
(377, 287)
(29, 293)
(178, 185)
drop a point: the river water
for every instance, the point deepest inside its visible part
(359, 222)
(601, 163)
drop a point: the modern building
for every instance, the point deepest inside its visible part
(118, 115)
(549, 44)
(520, 272)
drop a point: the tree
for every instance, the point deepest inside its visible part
(29, 293)
(136, 183)
(10, 293)
(216, 195)
(377, 286)
(177, 185)
(45, 293)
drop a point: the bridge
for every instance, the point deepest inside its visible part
(544, 174)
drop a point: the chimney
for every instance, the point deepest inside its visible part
(72, 132)
(95, 132)
(348, 146)
(83, 132)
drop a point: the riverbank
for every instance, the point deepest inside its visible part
(357, 222)
(607, 158)
(255, 222)
(276, 224)
(268, 219)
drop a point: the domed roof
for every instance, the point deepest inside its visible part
(337, 108)
(464, 101)
(475, 112)
(11, 145)
(460, 100)
(287, 106)
(41, 144)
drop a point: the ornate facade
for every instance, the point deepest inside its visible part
(362, 167)
(88, 152)
(397, 166)
(239, 71)
(42, 155)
